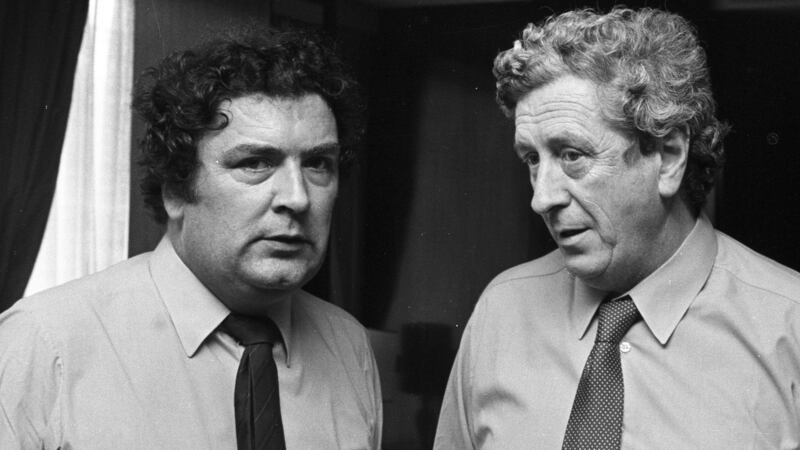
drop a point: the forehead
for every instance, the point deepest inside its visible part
(282, 122)
(566, 105)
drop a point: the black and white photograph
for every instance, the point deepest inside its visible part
(399, 224)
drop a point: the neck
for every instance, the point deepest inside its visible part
(680, 222)
(675, 228)
(237, 296)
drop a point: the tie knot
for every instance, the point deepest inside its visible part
(250, 330)
(616, 317)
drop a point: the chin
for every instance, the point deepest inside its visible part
(281, 275)
(586, 268)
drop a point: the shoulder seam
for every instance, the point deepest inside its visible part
(733, 274)
(522, 277)
(48, 340)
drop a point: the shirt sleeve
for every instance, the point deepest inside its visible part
(374, 383)
(454, 430)
(30, 379)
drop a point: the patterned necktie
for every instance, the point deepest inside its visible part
(256, 399)
(596, 418)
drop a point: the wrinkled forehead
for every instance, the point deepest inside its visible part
(574, 97)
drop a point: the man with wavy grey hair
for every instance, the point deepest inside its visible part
(646, 328)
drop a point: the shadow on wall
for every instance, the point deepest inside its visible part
(414, 367)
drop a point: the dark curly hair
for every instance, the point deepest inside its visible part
(648, 63)
(178, 99)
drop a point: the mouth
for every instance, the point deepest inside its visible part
(291, 240)
(569, 233)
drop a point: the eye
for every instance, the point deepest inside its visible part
(321, 163)
(571, 155)
(531, 159)
(255, 164)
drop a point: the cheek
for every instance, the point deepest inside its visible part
(238, 209)
(323, 202)
(606, 215)
(624, 214)
(213, 218)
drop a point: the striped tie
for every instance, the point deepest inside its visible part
(256, 400)
(596, 418)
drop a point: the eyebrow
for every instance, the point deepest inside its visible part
(521, 147)
(257, 149)
(568, 138)
(325, 149)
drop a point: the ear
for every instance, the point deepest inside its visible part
(674, 151)
(173, 204)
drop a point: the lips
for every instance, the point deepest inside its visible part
(564, 234)
(288, 245)
(289, 239)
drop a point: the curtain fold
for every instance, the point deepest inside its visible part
(39, 43)
(88, 225)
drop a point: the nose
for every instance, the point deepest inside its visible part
(549, 190)
(290, 193)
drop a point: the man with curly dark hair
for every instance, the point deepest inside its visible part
(209, 341)
(646, 328)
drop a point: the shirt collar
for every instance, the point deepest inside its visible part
(666, 294)
(281, 313)
(194, 310)
(586, 301)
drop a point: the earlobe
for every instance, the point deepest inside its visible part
(674, 150)
(173, 204)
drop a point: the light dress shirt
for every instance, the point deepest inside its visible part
(132, 358)
(714, 364)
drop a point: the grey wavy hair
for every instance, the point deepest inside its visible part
(650, 70)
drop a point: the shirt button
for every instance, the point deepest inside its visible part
(624, 347)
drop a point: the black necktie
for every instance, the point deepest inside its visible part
(596, 418)
(256, 399)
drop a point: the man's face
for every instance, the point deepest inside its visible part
(592, 186)
(264, 189)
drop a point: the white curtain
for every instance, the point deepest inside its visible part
(87, 229)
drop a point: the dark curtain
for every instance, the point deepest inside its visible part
(446, 201)
(755, 85)
(39, 43)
